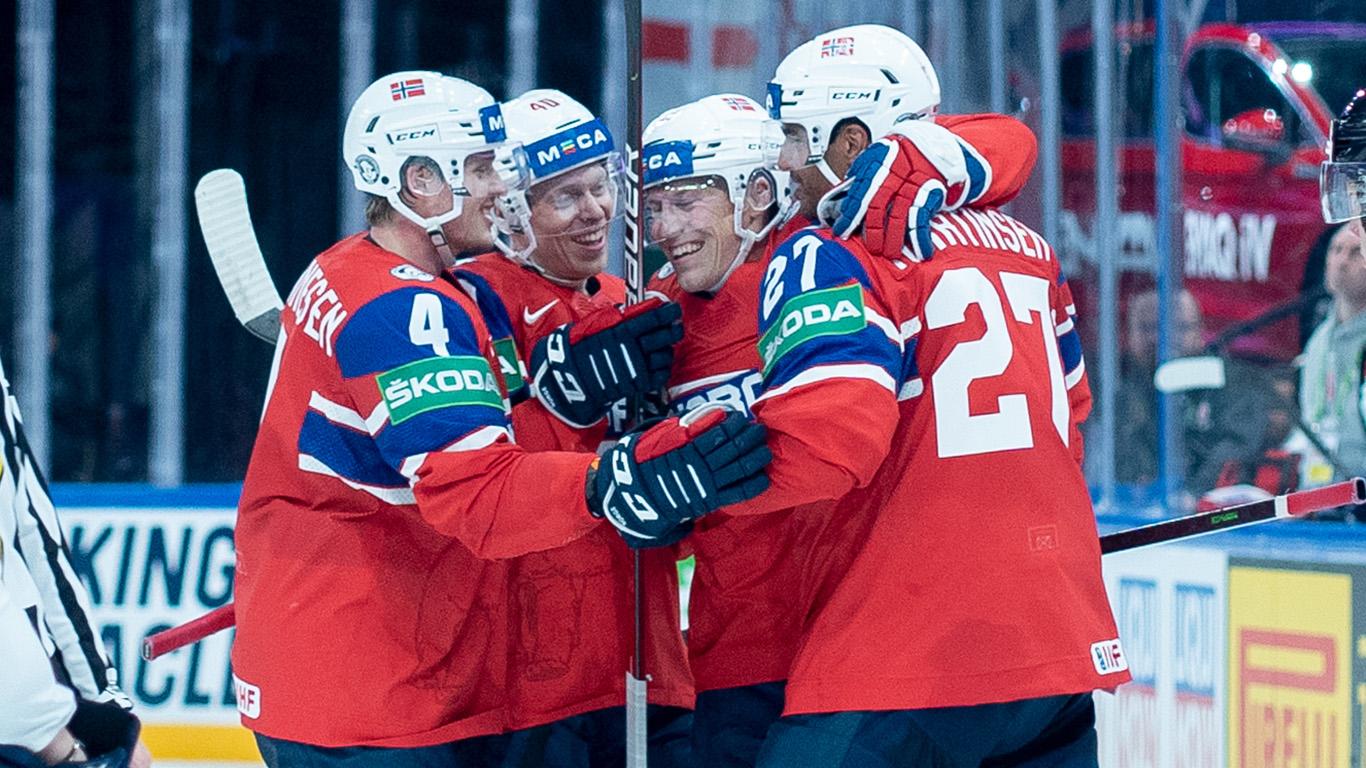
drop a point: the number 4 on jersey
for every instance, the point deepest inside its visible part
(425, 326)
(958, 431)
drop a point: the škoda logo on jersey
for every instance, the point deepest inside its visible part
(827, 312)
(438, 382)
(667, 160)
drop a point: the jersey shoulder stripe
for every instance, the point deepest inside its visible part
(346, 452)
(818, 308)
(403, 326)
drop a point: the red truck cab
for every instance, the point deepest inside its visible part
(1256, 102)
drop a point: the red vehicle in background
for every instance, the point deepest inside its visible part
(1256, 102)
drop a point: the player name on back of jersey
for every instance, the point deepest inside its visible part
(317, 306)
(987, 229)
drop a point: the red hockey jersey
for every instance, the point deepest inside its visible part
(758, 575)
(381, 476)
(572, 608)
(745, 608)
(939, 402)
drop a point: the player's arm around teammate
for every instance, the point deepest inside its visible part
(384, 475)
(562, 332)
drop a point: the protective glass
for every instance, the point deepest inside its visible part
(786, 146)
(1342, 189)
(582, 193)
(683, 206)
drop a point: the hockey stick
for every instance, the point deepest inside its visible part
(637, 693)
(1288, 505)
(191, 631)
(220, 199)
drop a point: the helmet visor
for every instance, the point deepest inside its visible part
(684, 206)
(577, 200)
(1342, 189)
(786, 146)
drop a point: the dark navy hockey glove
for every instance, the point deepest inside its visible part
(652, 483)
(108, 732)
(583, 367)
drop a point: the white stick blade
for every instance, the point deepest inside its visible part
(221, 202)
(1187, 373)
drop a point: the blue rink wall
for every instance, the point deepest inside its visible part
(1247, 648)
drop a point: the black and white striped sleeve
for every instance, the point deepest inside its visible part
(37, 572)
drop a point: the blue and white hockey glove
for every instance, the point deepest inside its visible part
(652, 483)
(898, 184)
(581, 368)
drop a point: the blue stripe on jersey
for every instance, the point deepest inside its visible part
(869, 345)
(398, 327)
(433, 430)
(808, 263)
(977, 176)
(737, 393)
(910, 368)
(491, 305)
(1069, 347)
(349, 453)
(499, 322)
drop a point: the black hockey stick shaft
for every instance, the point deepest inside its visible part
(634, 269)
(1288, 505)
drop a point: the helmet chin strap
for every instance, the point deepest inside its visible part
(443, 249)
(747, 240)
(527, 256)
(432, 226)
(828, 172)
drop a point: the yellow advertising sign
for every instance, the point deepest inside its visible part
(1289, 674)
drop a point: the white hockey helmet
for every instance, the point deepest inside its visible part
(422, 115)
(718, 136)
(558, 134)
(868, 72)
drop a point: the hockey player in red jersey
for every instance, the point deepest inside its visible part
(939, 400)
(712, 206)
(372, 629)
(542, 295)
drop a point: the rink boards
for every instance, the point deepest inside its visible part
(1247, 649)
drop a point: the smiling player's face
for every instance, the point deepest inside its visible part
(694, 224)
(570, 215)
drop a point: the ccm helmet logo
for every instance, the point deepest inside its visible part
(853, 95)
(425, 132)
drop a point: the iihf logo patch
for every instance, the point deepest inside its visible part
(837, 46)
(1108, 657)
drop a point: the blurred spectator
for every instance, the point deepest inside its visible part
(1136, 461)
(1231, 435)
(1330, 370)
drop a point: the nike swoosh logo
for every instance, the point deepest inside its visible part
(532, 317)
